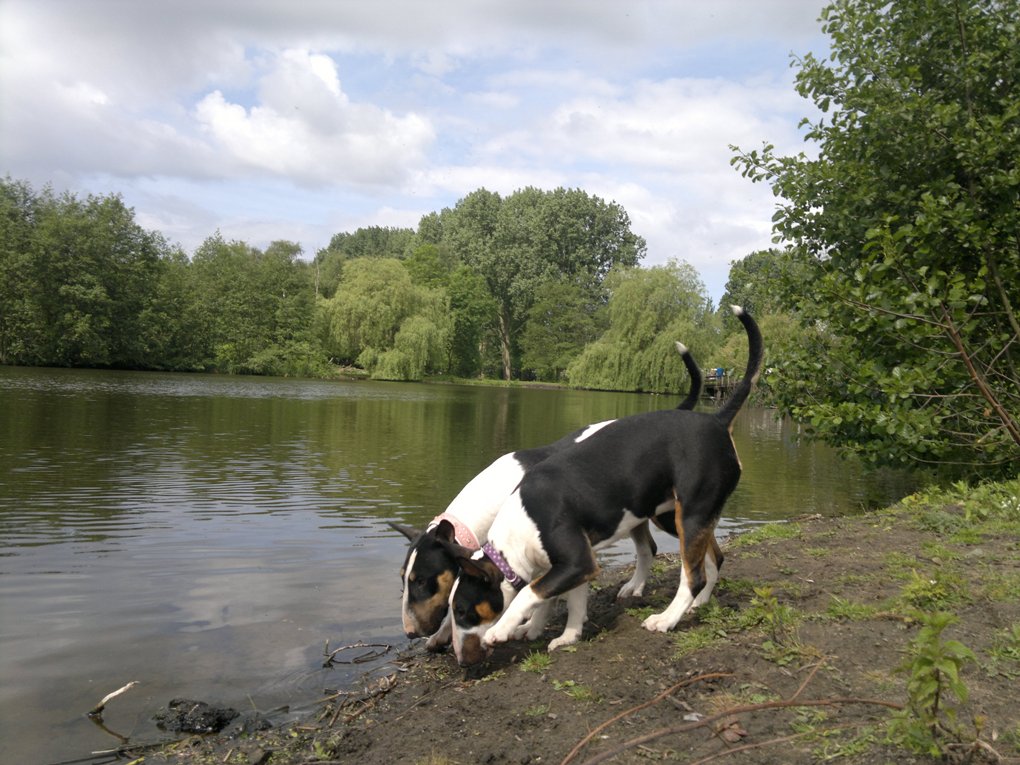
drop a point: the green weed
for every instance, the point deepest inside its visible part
(933, 669)
(785, 652)
(937, 590)
(938, 553)
(1002, 586)
(777, 618)
(536, 661)
(735, 587)
(835, 745)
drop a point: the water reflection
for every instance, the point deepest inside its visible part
(207, 535)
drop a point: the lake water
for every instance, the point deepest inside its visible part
(206, 536)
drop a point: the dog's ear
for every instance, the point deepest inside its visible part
(481, 568)
(407, 531)
(445, 531)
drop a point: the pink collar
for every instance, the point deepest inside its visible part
(462, 535)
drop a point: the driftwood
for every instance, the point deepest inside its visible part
(97, 710)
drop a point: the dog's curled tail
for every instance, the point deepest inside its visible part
(755, 351)
(695, 374)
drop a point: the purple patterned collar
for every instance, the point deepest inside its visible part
(497, 557)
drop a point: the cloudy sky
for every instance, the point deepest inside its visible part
(296, 120)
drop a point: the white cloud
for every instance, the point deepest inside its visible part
(270, 120)
(306, 128)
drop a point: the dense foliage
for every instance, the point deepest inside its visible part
(492, 287)
(904, 234)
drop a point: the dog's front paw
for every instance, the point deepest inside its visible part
(437, 643)
(659, 623)
(632, 589)
(497, 634)
(569, 637)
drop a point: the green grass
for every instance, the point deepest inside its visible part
(536, 661)
(840, 608)
(770, 532)
(696, 638)
(1002, 586)
(575, 690)
(1004, 653)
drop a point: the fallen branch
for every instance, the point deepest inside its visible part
(369, 656)
(97, 710)
(367, 698)
(644, 705)
(792, 701)
(706, 721)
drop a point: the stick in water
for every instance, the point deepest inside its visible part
(98, 708)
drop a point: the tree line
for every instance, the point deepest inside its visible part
(514, 287)
(889, 305)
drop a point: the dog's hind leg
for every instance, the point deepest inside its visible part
(713, 562)
(697, 542)
(645, 548)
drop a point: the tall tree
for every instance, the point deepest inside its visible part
(174, 327)
(366, 242)
(20, 322)
(561, 322)
(909, 217)
(87, 273)
(519, 243)
(762, 282)
(257, 307)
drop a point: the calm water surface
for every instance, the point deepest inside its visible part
(205, 536)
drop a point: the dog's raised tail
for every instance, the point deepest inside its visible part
(755, 351)
(695, 374)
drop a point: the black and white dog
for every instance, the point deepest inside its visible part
(542, 541)
(430, 567)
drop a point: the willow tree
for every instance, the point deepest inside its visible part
(909, 219)
(649, 310)
(383, 322)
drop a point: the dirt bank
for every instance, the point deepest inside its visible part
(794, 661)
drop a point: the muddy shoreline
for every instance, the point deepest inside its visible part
(794, 660)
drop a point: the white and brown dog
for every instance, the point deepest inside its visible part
(431, 567)
(542, 542)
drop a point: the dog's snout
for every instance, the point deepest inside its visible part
(473, 651)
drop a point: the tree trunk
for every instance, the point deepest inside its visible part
(504, 342)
